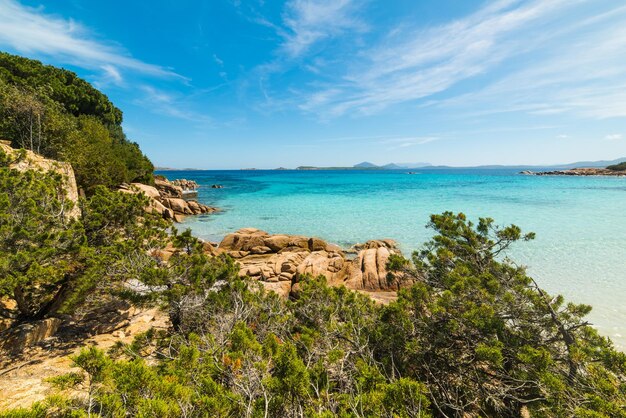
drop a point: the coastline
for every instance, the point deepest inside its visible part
(580, 172)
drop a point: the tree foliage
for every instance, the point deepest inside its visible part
(53, 112)
(48, 260)
(618, 167)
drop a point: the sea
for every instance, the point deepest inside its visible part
(580, 222)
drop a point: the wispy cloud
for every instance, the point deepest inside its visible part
(33, 31)
(414, 64)
(310, 21)
(582, 73)
(171, 105)
(613, 137)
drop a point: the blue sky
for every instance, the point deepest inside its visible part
(264, 83)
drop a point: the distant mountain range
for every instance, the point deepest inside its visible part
(407, 166)
(365, 165)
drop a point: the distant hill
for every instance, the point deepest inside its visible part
(365, 164)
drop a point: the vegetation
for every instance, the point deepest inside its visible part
(618, 167)
(474, 336)
(49, 260)
(55, 113)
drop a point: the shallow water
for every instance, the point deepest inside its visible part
(580, 249)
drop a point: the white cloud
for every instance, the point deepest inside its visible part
(32, 31)
(537, 57)
(613, 137)
(578, 70)
(171, 105)
(310, 21)
(417, 63)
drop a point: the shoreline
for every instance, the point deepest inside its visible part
(577, 172)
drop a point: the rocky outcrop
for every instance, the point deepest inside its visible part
(168, 189)
(577, 172)
(279, 262)
(24, 375)
(167, 198)
(17, 338)
(369, 269)
(33, 161)
(185, 184)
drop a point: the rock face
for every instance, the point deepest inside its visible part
(25, 335)
(369, 268)
(279, 262)
(33, 161)
(166, 198)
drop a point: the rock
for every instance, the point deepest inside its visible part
(277, 242)
(16, 339)
(369, 269)
(316, 244)
(194, 207)
(376, 243)
(178, 205)
(159, 208)
(260, 249)
(321, 263)
(167, 189)
(283, 289)
(33, 161)
(217, 186)
(209, 248)
(185, 184)
(149, 191)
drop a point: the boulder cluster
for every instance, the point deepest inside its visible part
(167, 198)
(279, 262)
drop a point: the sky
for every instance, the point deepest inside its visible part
(266, 83)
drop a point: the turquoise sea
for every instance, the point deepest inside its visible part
(580, 249)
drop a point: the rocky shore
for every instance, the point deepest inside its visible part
(170, 199)
(577, 172)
